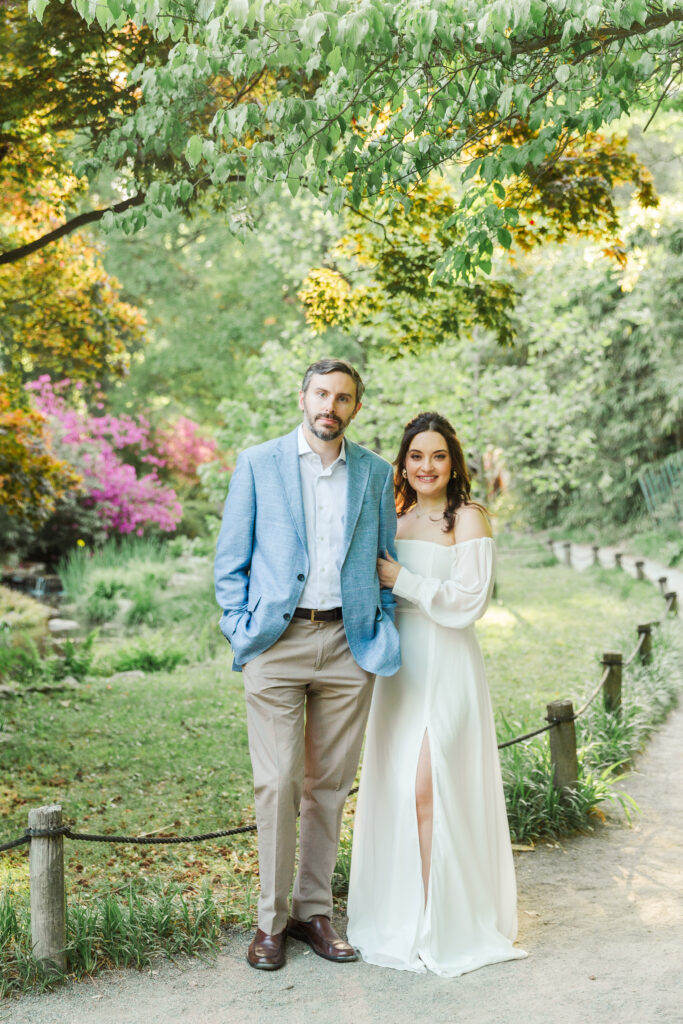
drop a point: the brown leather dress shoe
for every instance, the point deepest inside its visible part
(322, 938)
(267, 952)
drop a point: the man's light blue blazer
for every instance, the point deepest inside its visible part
(262, 560)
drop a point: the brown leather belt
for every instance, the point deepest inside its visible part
(313, 615)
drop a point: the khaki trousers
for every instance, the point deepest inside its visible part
(307, 707)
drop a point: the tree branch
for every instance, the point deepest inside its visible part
(91, 217)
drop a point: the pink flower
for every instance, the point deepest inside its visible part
(124, 502)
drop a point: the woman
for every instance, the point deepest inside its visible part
(432, 880)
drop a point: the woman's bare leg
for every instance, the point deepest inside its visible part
(424, 803)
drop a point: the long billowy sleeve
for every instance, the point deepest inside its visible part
(462, 599)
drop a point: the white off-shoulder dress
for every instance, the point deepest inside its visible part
(470, 918)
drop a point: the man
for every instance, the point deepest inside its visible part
(305, 519)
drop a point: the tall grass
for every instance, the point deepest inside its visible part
(112, 930)
(79, 564)
(649, 693)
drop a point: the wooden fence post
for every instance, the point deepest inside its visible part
(567, 553)
(672, 597)
(662, 584)
(640, 571)
(563, 744)
(611, 688)
(645, 652)
(46, 874)
(617, 558)
(596, 554)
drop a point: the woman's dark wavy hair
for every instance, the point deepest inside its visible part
(458, 491)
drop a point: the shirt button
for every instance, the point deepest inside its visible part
(301, 577)
(287, 616)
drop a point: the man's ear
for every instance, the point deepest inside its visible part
(301, 401)
(356, 410)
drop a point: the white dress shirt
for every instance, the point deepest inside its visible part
(324, 497)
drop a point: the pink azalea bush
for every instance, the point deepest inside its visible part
(124, 501)
(184, 449)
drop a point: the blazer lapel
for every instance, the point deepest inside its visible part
(286, 459)
(358, 472)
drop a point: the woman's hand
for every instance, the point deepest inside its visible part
(387, 570)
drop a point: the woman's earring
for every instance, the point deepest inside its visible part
(454, 475)
(404, 473)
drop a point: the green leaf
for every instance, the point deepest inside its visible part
(313, 29)
(563, 72)
(239, 12)
(37, 8)
(499, 190)
(193, 150)
(504, 237)
(334, 59)
(472, 169)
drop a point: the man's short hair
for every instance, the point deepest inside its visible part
(334, 366)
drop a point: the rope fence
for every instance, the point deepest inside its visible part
(46, 833)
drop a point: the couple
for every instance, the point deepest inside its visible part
(308, 580)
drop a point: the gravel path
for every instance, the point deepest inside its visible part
(601, 917)
(582, 557)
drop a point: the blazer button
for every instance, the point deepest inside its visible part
(287, 616)
(301, 577)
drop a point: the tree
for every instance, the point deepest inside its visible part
(382, 276)
(61, 313)
(210, 301)
(32, 477)
(360, 99)
(62, 83)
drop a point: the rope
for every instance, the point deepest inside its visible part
(528, 735)
(634, 652)
(86, 837)
(14, 842)
(594, 694)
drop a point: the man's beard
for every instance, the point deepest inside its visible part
(327, 433)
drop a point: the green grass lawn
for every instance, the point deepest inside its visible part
(544, 635)
(167, 752)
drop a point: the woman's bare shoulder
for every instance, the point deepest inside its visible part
(471, 522)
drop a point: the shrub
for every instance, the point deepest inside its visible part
(104, 450)
(149, 657)
(23, 663)
(184, 449)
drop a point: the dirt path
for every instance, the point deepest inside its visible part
(601, 917)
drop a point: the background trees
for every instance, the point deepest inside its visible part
(359, 100)
(438, 190)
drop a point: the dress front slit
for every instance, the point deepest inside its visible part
(424, 767)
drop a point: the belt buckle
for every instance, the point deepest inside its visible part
(313, 611)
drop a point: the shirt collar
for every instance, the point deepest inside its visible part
(305, 448)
